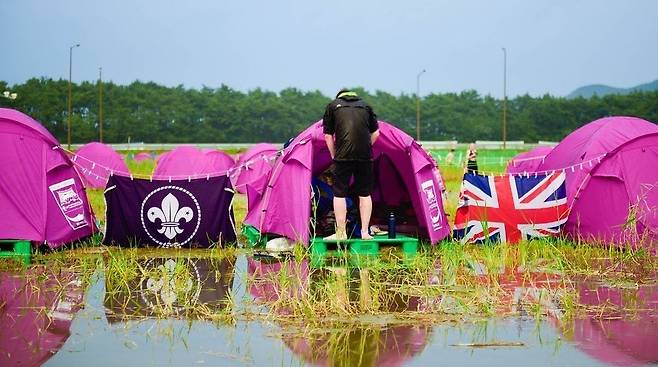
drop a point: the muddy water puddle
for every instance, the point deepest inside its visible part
(240, 310)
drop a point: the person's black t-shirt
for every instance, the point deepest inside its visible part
(352, 121)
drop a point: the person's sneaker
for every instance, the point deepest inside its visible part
(376, 231)
(280, 244)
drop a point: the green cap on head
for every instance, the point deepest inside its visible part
(345, 93)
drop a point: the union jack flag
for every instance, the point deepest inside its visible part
(510, 208)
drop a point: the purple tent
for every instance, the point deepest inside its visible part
(405, 174)
(253, 164)
(187, 160)
(97, 163)
(528, 161)
(612, 174)
(218, 159)
(41, 195)
(142, 156)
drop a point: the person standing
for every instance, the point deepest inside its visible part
(350, 129)
(450, 157)
(472, 159)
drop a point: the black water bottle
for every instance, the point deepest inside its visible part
(391, 225)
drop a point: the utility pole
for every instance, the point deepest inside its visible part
(68, 124)
(504, 98)
(418, 105)
(100, 102)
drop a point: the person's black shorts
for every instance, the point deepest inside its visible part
(363, 180)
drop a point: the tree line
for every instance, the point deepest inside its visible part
(152, 113)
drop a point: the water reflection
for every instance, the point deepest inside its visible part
(621, 327)
(36, 309)
(372, 342)
(175, 310)
(170, 286)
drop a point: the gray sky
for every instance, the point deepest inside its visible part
(554, 46)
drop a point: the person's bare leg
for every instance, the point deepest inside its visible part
(340, 211)
(365, 210)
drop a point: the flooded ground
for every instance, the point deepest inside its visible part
(496, 306)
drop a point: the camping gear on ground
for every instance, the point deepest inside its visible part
(176, 213)
(96, 162)
(256, 162)
(528, 161)
(404, 175)
(187, 160)
(391, 225)
(42, 198)
(510, 208)
(612, 180)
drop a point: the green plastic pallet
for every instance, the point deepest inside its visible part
(16, 248)
(360, 249)
(254, 238)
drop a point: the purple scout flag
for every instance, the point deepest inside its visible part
(164, 213)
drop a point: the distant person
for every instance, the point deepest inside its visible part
(472, 159)
(350, 128)
(450, 157)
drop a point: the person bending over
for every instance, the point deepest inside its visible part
(350, 129)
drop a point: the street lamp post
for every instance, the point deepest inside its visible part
(504, 98)
(418, 104)
(68, 124)
(100, 102)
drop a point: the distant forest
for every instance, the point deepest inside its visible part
(151, 113)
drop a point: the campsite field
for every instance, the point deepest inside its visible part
(555, 301)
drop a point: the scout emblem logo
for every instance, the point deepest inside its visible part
(170, 284)
(69, 202)
(432, 204)
(170, 216)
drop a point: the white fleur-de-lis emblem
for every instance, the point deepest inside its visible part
(170, 216)
(165, 284)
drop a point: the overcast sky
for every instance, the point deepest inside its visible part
(553, 46)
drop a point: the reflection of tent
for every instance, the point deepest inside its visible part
(253, 164)
(272, 280)
(187, 160)
(36, 310)
(360, 346)
(622, 340)
(173, 286)
(404, 175)
(265, 278)
(41, 196)
(94, 156)
(528, 161)
(624, 184)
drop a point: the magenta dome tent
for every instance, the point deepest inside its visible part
(405, 176)
(42, 198)
(612, 174)
(187, 160)
(528, 161)
(142, 156)
(253, 164)
(219, 159)
(96, 161)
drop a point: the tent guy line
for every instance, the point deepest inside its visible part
(235, 170)
(229, 172)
